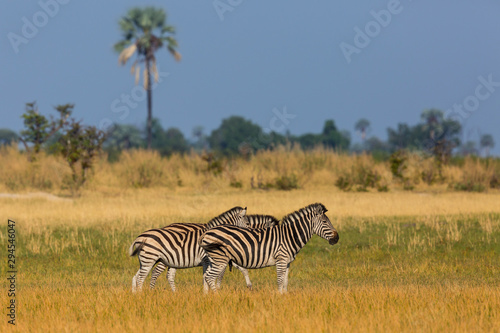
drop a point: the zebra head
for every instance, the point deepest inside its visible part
(260, 221)
(239, 216)
(322, 225)
(235, 216)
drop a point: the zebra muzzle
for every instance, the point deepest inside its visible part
(334, 239)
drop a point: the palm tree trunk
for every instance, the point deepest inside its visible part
(150, 106)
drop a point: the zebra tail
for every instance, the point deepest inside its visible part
(133, 251)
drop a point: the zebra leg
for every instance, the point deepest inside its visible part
(213, 272)
(171, 277)
(219, 278)
(160, 268)
(244, 271)
(281, 271)
(134, 283)
(206, 265)
(285, 284)
(146, 265)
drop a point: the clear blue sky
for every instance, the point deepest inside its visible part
(261, 57)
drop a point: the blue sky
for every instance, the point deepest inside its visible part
(255, 58)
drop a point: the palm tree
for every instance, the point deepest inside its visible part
(144, 32)
(362, 126)
(433, 120)
(486, 142)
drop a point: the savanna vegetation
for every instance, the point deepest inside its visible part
(405, 261)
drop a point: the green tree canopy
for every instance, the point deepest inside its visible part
(486, 142)
(7, 136)
(237, 135)
(168, 141)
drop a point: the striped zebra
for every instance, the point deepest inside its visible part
(250, 221)
(176, 246)
(277, 245)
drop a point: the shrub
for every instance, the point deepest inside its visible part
(476, 176)
(362, 175)
(142, 168)
(286, 183)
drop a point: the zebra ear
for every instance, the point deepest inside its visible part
(243, 212)
(321, 209)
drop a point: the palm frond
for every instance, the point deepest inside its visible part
(126, 54)
(154, 70)
(137, 74)
(176, 54)
(118, 47)
(171, 41)
(168, 28)
(132, 69)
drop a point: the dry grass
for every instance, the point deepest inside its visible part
(406, 261)
(447, 308)
(316, 168)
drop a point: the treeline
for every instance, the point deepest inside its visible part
(434, 135)
(238, 136)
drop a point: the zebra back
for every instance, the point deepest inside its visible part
(260, 221)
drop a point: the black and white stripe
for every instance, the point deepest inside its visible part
(250, 221)
(177, 246)
(258, 248)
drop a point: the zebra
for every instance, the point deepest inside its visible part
(276, 246)
(250, 221)
(176, 246)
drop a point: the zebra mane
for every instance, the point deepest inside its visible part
(260, 218)
(232, 212)
(312, 208)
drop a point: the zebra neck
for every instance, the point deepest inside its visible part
(299, 231)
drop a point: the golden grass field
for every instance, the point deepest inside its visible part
(421, 260)
(405, 262)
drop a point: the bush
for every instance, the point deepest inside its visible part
(476, 176)
(286, 183)
(142, 168)
(362, 176)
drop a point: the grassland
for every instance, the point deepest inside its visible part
(405, 261)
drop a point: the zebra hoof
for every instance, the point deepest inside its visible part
(250, 287)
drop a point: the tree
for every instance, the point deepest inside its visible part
(399, 138)
(433, 120)
(309, 140)
(362, 126)
(174, 142)
(237, 135)
(7, 136)
(39, 129)
(144, 32)
(333, 138)
(469, 148)
(169, 141)
(486, 142)
(80, 145)
(122, 137)
(200, 143)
